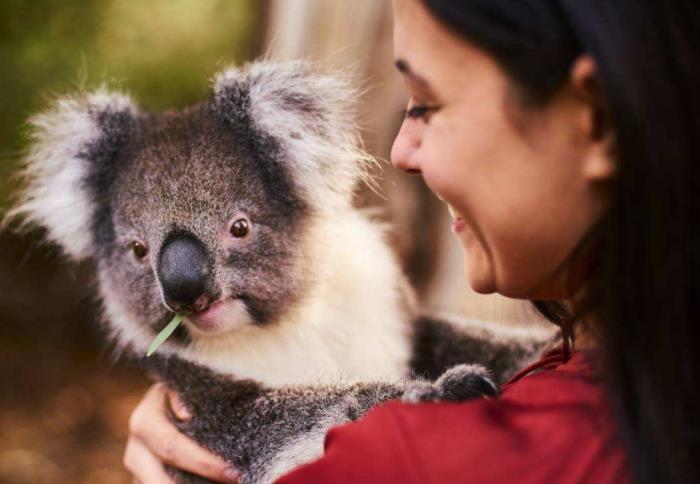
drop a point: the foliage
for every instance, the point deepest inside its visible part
(162, 51)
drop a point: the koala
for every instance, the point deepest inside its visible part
(238, 212)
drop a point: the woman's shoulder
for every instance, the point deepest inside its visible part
(552, 426)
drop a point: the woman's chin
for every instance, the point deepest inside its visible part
(477, 264)
(480, 277)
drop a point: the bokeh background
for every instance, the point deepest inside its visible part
(64, 402)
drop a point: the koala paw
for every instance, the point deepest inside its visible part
(459, 383)
(462, 382)
(421, 391)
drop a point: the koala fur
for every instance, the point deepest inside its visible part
(316, 323)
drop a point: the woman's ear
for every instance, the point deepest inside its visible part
(599, 163)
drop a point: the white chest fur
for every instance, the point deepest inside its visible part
(354, 325)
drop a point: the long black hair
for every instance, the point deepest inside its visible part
(644, 290)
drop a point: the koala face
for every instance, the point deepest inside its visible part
(202, 218)
(208, 211)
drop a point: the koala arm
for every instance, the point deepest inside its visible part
(265, 432)
(440, 343)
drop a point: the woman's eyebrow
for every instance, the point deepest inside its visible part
(406, 70)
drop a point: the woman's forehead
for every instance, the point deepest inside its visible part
(422, 43)
(432, 58)
(414, 30)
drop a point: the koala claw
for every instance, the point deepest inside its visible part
(461, 382)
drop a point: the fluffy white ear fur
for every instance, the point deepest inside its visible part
(55, 195)
(313, 116)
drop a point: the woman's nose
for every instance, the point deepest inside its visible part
(405, 148)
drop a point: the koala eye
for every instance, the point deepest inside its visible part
(140, 250)
(240, 228)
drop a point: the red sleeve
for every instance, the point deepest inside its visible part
(550, 427)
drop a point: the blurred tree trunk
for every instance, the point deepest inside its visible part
(356, 36)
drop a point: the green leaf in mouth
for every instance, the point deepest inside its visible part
(165, 333)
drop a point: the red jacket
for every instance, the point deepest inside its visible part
(553, 426)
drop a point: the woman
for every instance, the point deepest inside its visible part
(564, 135)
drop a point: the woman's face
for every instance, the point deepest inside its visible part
(522, 184)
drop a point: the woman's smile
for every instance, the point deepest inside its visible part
(457, 220)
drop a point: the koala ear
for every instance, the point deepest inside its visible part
(311, 115)
(68, 143)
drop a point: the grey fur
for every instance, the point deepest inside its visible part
(442, 342)
(276, 145)
(251, 426)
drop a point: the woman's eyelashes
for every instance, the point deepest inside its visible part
(419, 111)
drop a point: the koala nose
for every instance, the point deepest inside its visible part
(184, 270)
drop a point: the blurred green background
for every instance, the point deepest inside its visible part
(162, 51)
(64, 404)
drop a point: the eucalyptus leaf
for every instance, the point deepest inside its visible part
(165, 333)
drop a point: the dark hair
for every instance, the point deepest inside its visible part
(644, 291)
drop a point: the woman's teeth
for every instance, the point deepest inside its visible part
(453, 212)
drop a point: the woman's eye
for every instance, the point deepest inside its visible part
(139, 250)
(418, 112)
(240, 228)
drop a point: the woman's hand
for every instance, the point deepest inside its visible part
(155, 441)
